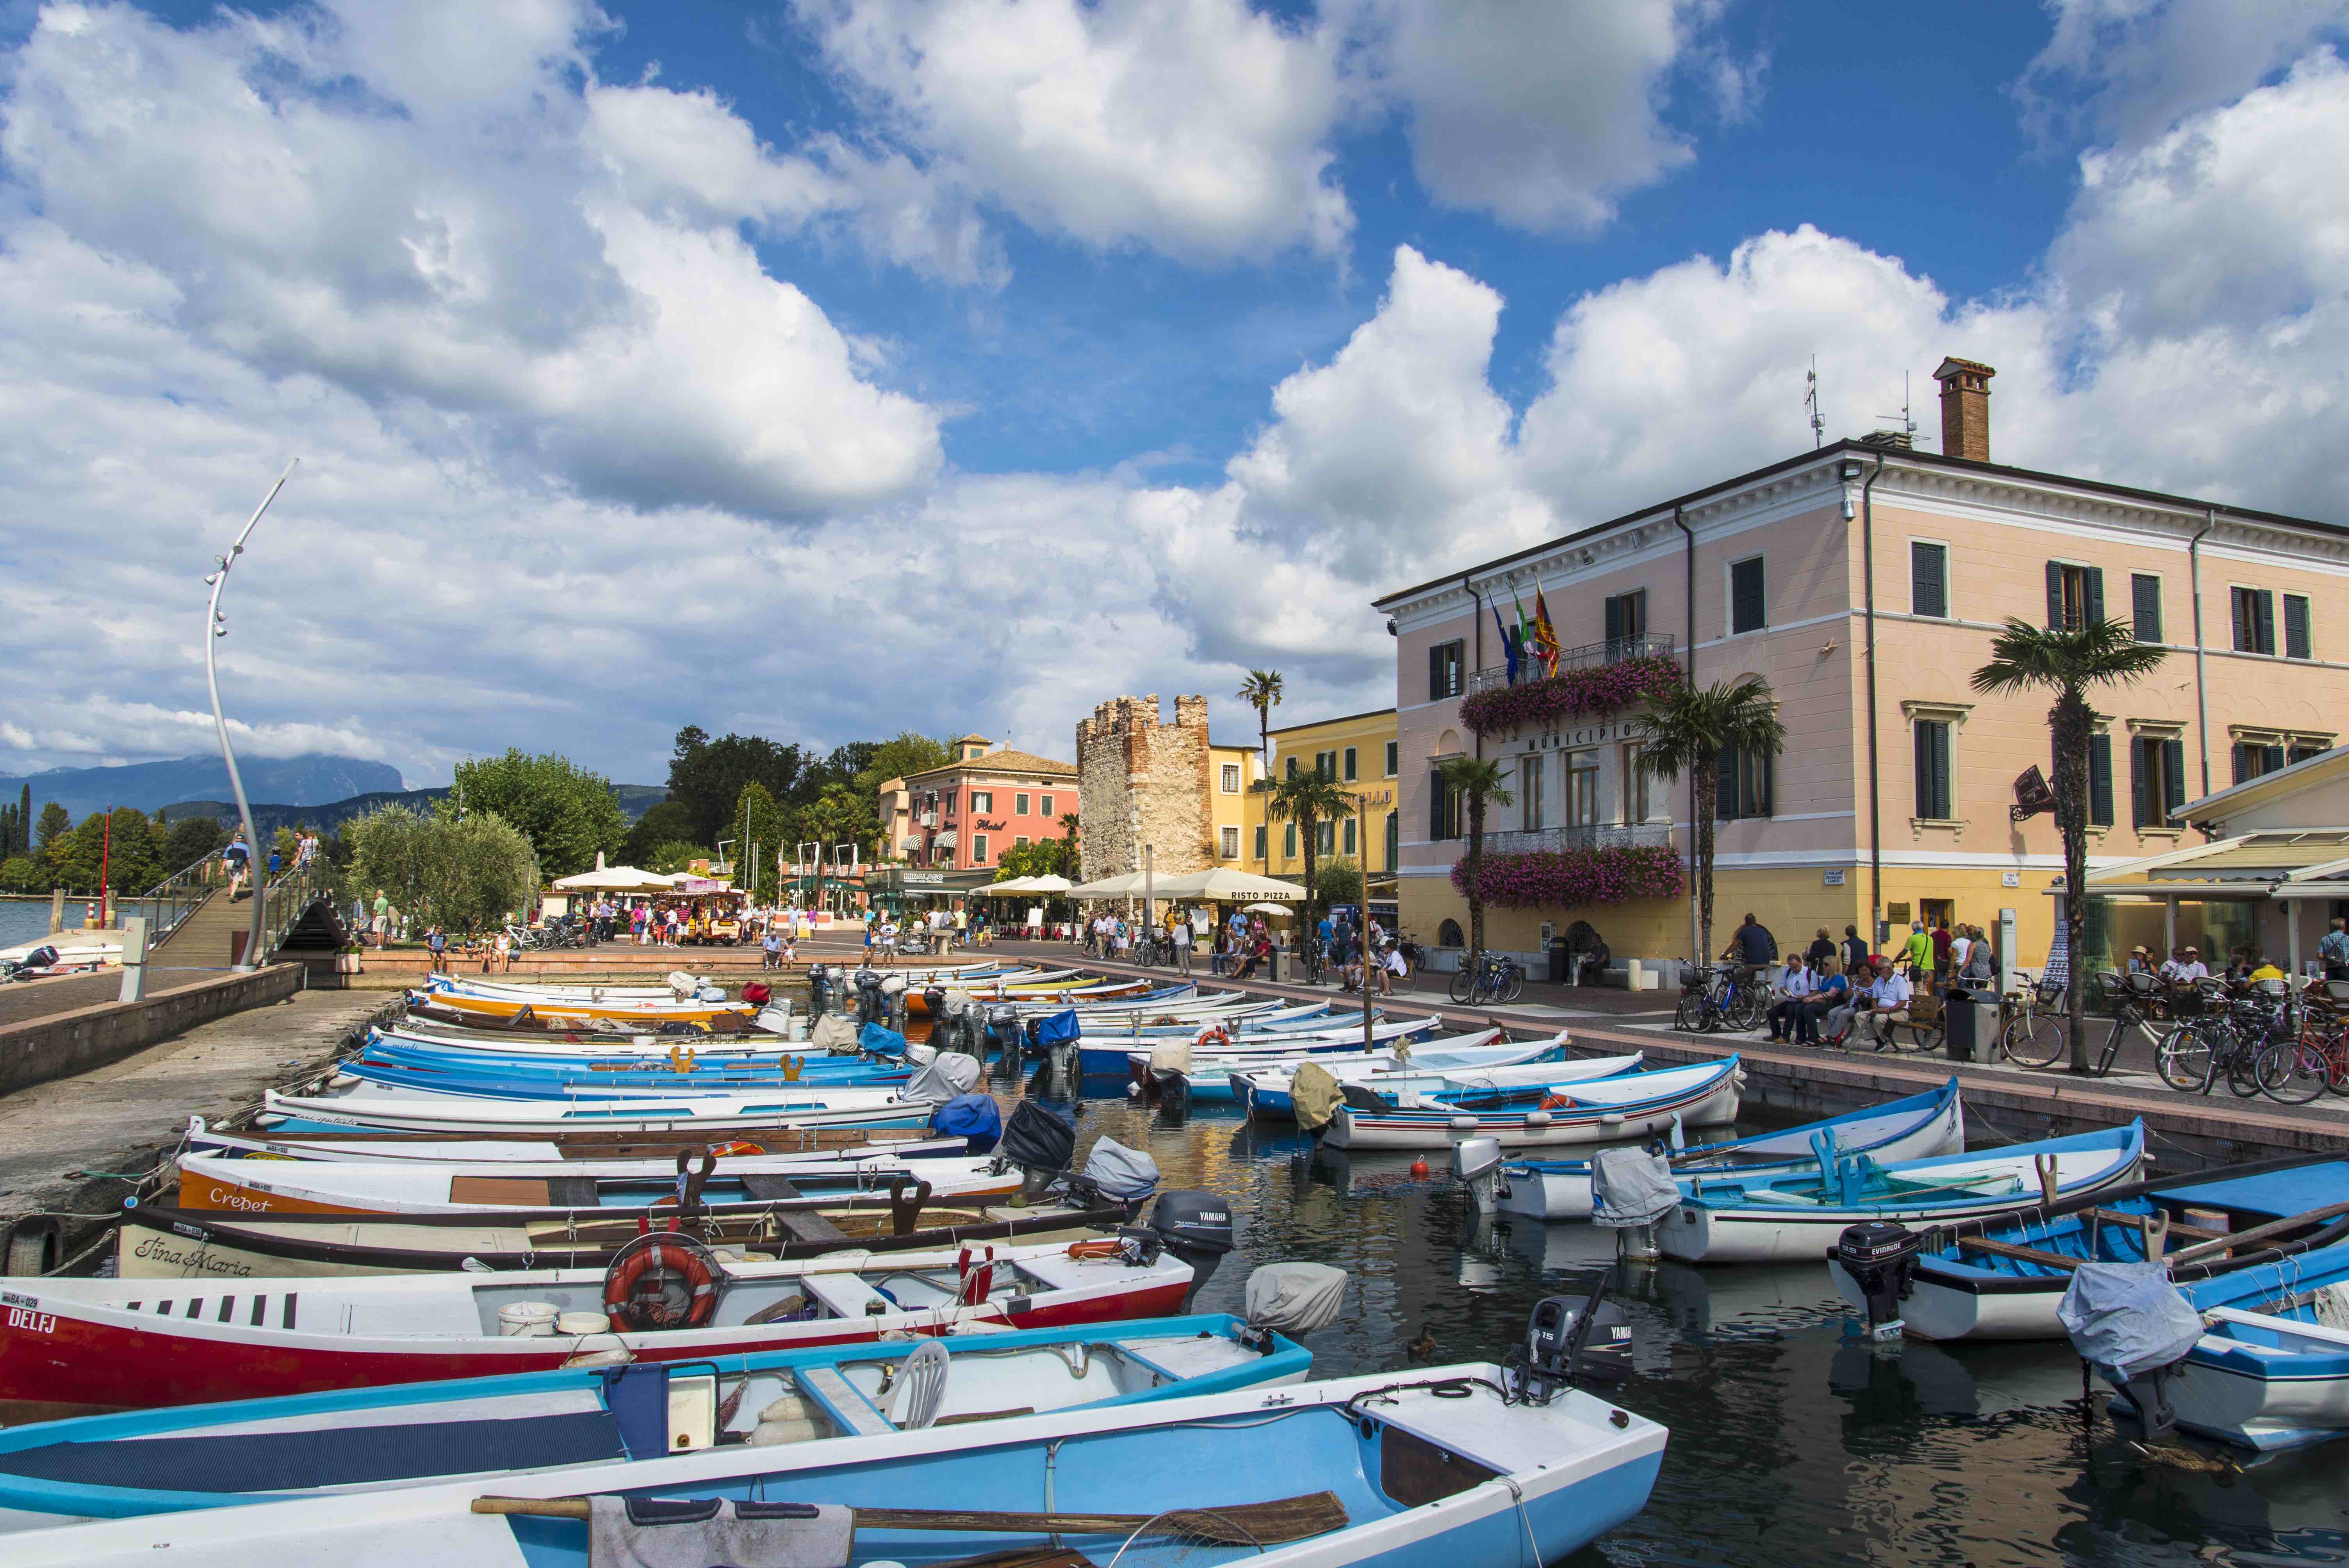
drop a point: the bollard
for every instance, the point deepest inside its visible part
(134, 959)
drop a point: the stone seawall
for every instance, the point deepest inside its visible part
(73, 1042)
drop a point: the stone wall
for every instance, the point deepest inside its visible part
(87, 1037)
(1142, 781)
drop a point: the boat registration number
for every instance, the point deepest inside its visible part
(26, 1318)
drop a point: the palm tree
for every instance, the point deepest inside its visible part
(1685, 733)
(2025, 657)
(1261, 691)
(1069, 846)
(1476, 780)
(1308, 798)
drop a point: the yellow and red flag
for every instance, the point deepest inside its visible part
(1544, 635)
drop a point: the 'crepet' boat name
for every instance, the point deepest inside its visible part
(199, 1260)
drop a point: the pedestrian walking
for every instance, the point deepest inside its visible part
(1183, 945)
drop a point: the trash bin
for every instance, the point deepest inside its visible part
(1969, 1021)
(1561, 963)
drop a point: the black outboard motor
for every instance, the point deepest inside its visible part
(1041, 1144)
(1569, 1341)
(820, 981)
(871, 1008)
(1003, 1030)
(933, 999)
(1197, 1228)
(1880, 1257)
(2149, 1391)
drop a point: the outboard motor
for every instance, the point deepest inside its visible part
(2135, 1328)
(1568, 1341)
(1476, 1165)
(934, 1003)
(1041, 1144)
(820, 981)
(893, 1002)
(1197, 1228)
(1880, 1257)
(1003, 1030)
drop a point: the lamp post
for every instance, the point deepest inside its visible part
(215, 628)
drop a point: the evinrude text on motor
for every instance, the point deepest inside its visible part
(1878, 1255)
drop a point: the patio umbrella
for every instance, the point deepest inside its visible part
(1277, 911)
(1123, 886)
(1226, 884)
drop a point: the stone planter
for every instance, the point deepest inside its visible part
(348, 963)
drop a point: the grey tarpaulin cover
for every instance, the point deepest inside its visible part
(2127, 1318)
(834, 1034)
(618, 1537)
(1120, 1171)
(1631, 1186)
(942, 1076)
(1295, 1298)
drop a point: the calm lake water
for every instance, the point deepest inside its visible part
(1791, 1443)
(27, 920)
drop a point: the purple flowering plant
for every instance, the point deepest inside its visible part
(1568, 879)
(1585, 693)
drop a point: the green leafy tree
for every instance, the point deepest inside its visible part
(55, 820)
(1338, 879)
(479, 869)
(1684, 733)
(665, 822)
(706, 777)
(388, 856)
(77, 856)
(672, 856)
(190, 839)
(568, 813)
(1308, 798)
(1477, 782)
(841, 815)
(2068, 662)
(758, 829)
(904, 754)
(21, 874)
(1044, 858)
(1261, 691)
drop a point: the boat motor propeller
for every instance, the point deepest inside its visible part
(1880, 1256)
(1568, 1341)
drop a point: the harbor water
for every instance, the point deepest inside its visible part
(1794, 1443)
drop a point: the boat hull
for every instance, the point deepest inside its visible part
(1713, 1101)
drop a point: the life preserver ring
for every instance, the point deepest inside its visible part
(1216, 1032)
(1557, 1102)
(640, 1285)
(728, 1151)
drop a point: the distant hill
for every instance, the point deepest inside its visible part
(313, 778)
(635, 800)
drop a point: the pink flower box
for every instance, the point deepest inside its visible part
(1569, 879)
(1570, 695)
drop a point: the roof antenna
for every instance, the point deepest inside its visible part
(1908, 424)
(1811, 403)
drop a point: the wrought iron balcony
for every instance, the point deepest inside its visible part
(1599, 836)
(1613, 651)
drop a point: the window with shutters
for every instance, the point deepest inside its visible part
(1289, 842)
(2157, 779)
(1932, 747)
(1044, 807)
(1626, 618)
(1259, 840)
(1443, 808)
(1530, 792)
(1444, 674)
(2144, 606)
(1929, 578)
(1395, 840)
(2100, 780)
(978, 849)
(1291, 761)
(2296, 643)
(1325, 838)
(982, 800)
(1582, 790)
(1394, 755)
(1325, 763)
(1641, 789)
(1230, 845)
(2254, 621)
(1746, 611)
(2075, 595)
(1020, 805)
(1350, 774)
(1743, 787)
(1349, 835)
(2253, 758)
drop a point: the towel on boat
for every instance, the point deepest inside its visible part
(694, 1532)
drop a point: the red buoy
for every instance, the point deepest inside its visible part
(1419, 1168)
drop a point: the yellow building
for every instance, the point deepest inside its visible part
(1233, 805)
(1358, 751)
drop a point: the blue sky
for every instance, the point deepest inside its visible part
(833, 368)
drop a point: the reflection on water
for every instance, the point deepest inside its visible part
(1793, 1441)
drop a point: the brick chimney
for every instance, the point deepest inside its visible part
(1965, 408)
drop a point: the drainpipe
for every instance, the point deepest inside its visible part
(2201, 694)
(1688, 598)
(1476, 614)
(1875, 785)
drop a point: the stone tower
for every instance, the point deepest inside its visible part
(1141, 781)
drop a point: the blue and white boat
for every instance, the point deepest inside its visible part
(404, 1070)
(2002, 1277)
(1551, 1115)
(1733, 1219)
(583, 1423)
(789, 1107)
(1915, 1128)
(1104, 1053)
(1440, 1069)
(1426, 1470)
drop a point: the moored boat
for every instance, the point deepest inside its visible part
(1544, 1115)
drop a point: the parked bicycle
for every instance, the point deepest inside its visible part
(1492, 977)
(1721, 996)
(2316, 1057)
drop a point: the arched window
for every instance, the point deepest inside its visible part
(1449, 934)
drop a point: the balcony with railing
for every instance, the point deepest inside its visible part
(1590, 656)
(1591, 836)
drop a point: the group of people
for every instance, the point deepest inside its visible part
(1841, 994)
(944, 930)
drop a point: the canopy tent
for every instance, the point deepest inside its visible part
(1229, 885)
(1124, 886)
(1001, 889)
(1050, 881)
(615, 879)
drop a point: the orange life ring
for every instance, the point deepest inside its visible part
(728, 1151)
(1212, 1032)
(1557, 1102)
(657, 1261)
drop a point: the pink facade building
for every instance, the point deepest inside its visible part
(963, 816)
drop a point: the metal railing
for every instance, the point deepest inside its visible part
(1597, 836)
(1590, 655)
(170, 902)
(289, 898)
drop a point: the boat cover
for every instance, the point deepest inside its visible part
(1058, 1029)
(662, 1532)
(975, 1117)
(834, 1033)
(2127, 1318)
(879, 1039)
(1314, 1095)
(1037, 1138)
(944, 1077)
(1295, 1298)
(1630, 1187)
(1119, 1172)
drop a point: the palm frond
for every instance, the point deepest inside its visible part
(2025, 658)
(1477, 778)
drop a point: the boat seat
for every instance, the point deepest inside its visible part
(845, 1294)
(850, 1411)
(767, 1189)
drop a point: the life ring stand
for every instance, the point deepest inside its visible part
(637, 1286)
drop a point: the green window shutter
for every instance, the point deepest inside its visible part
(1922, 740)
(2296, 643)
(2100, 780)
(1289, 842)
(2144, 607)
(1746, 609)
(1435, 804)
(2054, 595)
(2096, 596)
(1615, 619)
(1928, 580)
(1725, 791)
(2263, 621)
(1350, 762)
(1259, 841)
(2173, 777)
(1395, 840)
(1942, 771)
(2141, 801)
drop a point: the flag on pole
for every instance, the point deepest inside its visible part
(1525, 622)
(1545, 641)
(1508, 647)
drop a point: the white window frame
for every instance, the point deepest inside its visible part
(1954, 715)
(1228, 843)
(1231, 777)
(1019, 805)
(1580, 766)
(978, 849)
(1044, 806)
(982, 800)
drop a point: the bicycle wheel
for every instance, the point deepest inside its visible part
(1513, 985)
(1914, 1036)
(2183, 1059)
(1744, 1011)
(2242, 1069)
(2033, 1039)
(2291, 1071)
(1690, 1015)
(1462, 980)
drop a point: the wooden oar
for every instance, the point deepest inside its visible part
(2257, 1233)
(1242, 1524)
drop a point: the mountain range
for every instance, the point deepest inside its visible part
(313, 778)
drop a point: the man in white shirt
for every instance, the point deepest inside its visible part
(1793, 987)
(2186, 967)
(1882, 1001)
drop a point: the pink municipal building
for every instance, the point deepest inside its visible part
(957, 818)
(1863, 581)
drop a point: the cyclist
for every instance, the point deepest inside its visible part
(1751, 944)
(1917, 952)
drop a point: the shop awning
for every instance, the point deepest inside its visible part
(2300, 862)
(945, 841)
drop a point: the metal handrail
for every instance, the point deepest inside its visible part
(180, 894)
(1590, 655)
(1594, 836)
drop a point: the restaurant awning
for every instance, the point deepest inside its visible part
(2299, 862)
(945, 841)
(1229, 885)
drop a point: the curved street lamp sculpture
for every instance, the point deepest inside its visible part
(215, 628)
